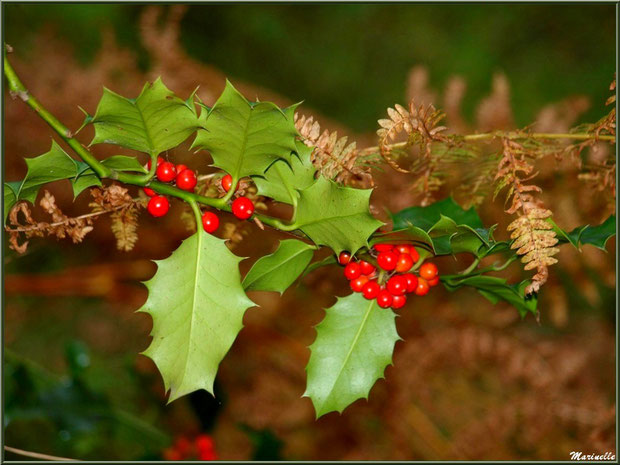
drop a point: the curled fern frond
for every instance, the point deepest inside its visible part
(533, 237)
(335, 158)
(419, 123)
(61, 226)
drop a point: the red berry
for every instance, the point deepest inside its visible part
(352, 270)
(398, 301)
(422, 288)
(158, 206)
(371, 289)
(186, 180)
(397, 285)
(433, 282)
(344, 258)
(160, 160)
(210, 222)
(414, 254)
(204, 442)
(148, 191)
(166, 172)
(383, 247)
(387, 260)
(207, 455)
(412, 282)
(402, 248)
(358, 284)
(243, 208)
(227, 182)
(404, 263)
(180, 167)
(367, 268)
(428, 271)
(384, 299)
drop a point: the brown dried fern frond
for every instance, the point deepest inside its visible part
(600, 170)
(124, 211)
(334, 157)
(61, 225)
(420, 124)
(533, 237)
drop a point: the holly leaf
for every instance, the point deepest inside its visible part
(353, 346)
(197, 304)
(426, 217)
(54, 165)
(245, 138)
(336, 216)
(283, 178)
(444, 226)
(277, 271)
(596, 236)
(155, 121)
(496, 289)
(86, 177)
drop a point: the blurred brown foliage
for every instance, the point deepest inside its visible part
(469, 381)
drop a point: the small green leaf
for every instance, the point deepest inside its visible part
(154, 122)
(496, 289)
(427, 217)
(336, 216)
(353, 346)
(276, 272)
(197, 304)
(245, 138)
(596, 236)
(54, 165)
(445, 227)
(282, 180)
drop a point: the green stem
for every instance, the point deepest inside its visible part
(471, 267)
(17, 88)
(511, 135)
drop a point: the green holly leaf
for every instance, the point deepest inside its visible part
(86, 177)
(277, 271)
(336, 216)
(197, 304)
(354, 345)
(282, 180)
(496, 289)
(154, 122)
(54, 165)
(427, 217)
(596, 236)
(245, 138)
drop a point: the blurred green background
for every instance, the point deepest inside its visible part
(350, 61)
(74, 383)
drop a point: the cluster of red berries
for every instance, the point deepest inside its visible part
(389, 286)
(200, 448)
(242, 207)
(168, 172)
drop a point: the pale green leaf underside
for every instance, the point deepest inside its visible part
(282, 180)
(154, 122)
(244, 138)
(354, 345)
(197, 304)
(277, 271)
(336, 216)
